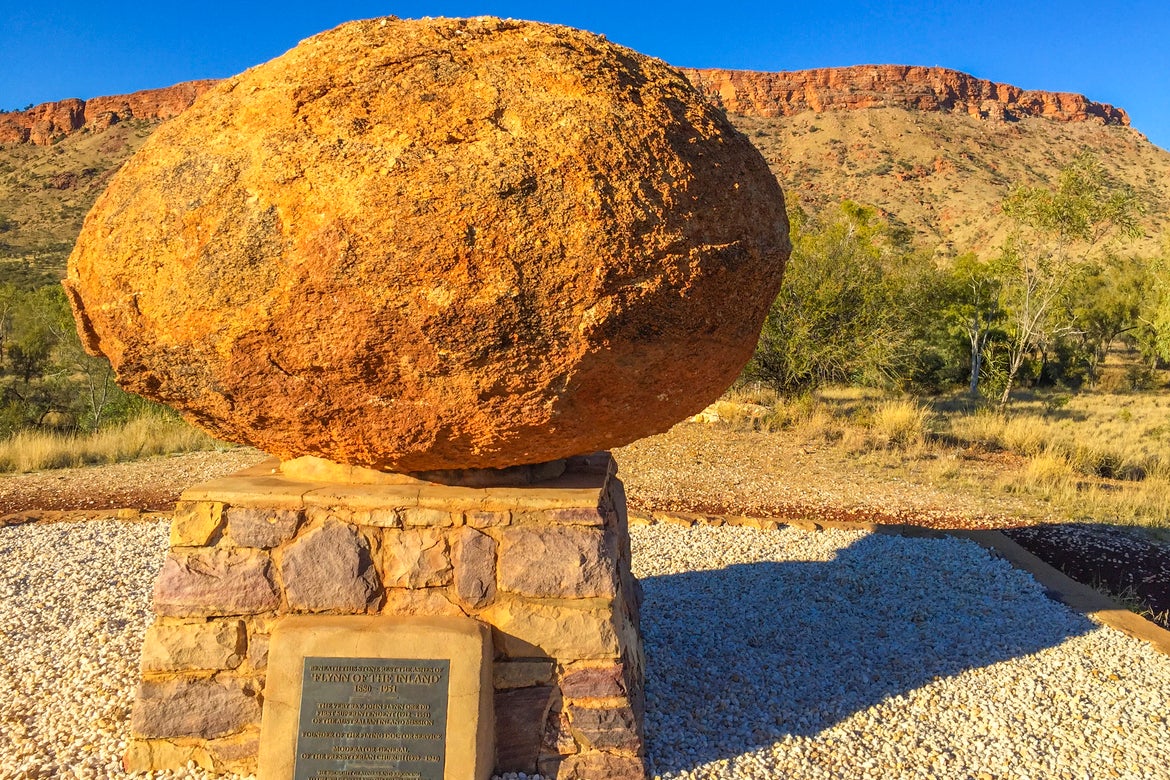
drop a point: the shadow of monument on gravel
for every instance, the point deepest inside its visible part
(754, 652)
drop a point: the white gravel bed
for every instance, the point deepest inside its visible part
(852, 655)
(770, 654)
(74, 605)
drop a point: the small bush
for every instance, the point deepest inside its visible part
(983, 427)
(1025, 434)
(1047, 470)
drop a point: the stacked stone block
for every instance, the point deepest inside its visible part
(546, 565)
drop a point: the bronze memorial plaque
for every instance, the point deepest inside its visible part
(372, 719)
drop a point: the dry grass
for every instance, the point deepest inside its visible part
(1098, 457)
(1121, 436)
(150, 434)
(1094, 457)
(900, 423)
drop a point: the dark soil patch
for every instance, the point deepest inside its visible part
(1128, 566)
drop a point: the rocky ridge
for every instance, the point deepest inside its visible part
(912, 87)
(46, 123)
(751, 93)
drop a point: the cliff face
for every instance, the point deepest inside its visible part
(739, 91)
(43, 124)
(891, 86)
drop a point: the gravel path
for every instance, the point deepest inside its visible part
(850, 655)
(771, 654)
(152, 483)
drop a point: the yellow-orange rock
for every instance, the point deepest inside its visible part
(436, 244)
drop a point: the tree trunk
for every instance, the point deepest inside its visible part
(976, 366)
(1007, 391)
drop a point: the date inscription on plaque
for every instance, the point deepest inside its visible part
(373, 719)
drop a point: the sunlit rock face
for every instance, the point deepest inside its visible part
(436, 244)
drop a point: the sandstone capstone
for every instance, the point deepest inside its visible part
(436, 244)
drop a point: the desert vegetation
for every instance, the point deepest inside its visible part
(1052, 351)
(863, 304)
(1094, 456)
(61, 407)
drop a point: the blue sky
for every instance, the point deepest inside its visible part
(1116, 53)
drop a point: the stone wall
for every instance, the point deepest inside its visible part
(547, 566)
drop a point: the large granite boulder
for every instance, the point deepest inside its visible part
(436, 244)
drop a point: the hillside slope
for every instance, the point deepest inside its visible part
(56, 158)
(945, 175)
(46, 191)
(935, 149)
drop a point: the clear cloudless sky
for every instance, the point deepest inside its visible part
(1114, 52)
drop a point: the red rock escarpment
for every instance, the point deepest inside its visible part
(43, 124)
(891, 86)
(740, 91)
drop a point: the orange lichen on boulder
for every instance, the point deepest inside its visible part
(436, 244)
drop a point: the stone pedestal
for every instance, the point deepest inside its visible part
(543, 560)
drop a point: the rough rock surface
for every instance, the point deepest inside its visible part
(436, 244)
(194, 708)
(46, 123)
(222, 581)
(892, 86)
(330, 569)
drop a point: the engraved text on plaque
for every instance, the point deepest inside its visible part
(372, 719)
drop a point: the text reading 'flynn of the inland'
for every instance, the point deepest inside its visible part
(372, 719)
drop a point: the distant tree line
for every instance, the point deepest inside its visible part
(861, 304)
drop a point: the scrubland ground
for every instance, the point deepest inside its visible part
(1093, 457)
(1089, 468)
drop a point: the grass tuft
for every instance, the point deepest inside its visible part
(901, 423)
(1092, 456)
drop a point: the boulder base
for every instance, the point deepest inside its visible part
(434, 245)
